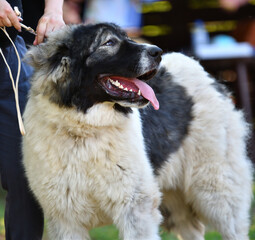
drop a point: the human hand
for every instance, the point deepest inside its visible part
(8, 17)
(49, 22)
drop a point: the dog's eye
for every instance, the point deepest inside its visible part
(110, 42)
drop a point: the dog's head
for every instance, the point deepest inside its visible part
(79, 66)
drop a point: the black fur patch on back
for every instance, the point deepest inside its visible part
(165, 129)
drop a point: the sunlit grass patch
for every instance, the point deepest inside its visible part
(2, 204)
(107, 232)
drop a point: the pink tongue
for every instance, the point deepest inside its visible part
(147, 92)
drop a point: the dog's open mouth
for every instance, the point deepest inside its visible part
(133, 89)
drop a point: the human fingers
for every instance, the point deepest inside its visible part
(54, 22)
(5, 23)
(8, 17)
(49, 22)
(15, 21)
(40, 32)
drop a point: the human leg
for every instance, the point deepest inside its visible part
(23, 216)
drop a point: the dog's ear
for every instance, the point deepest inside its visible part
(37, 56)
(49, 59)
(61, 71)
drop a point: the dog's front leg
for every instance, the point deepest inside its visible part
(140, 221)
(64, 230)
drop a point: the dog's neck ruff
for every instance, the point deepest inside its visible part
(99, 115)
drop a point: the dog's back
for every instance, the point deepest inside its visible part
(205, 174)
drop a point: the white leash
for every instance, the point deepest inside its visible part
(14, 86)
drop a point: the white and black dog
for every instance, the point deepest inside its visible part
(93, 155)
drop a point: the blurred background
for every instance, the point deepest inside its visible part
(218, 33)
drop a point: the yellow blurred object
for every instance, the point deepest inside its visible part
(162, 6)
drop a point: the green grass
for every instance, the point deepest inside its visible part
(2, 200)
(111, 233)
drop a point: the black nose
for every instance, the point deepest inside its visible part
(154, 51)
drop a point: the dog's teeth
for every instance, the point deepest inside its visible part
(117, 84)
(130, 90)
(139, 92)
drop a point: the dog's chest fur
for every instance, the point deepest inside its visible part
(85, 155)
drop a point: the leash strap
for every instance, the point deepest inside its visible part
(15, 86)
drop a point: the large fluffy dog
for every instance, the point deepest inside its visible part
(92, 157)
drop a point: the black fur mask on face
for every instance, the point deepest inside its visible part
(81, 63)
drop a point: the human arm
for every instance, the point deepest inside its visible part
(72, 10)
(51, 20)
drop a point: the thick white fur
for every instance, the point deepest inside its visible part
(89, 170)
(209, 179)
